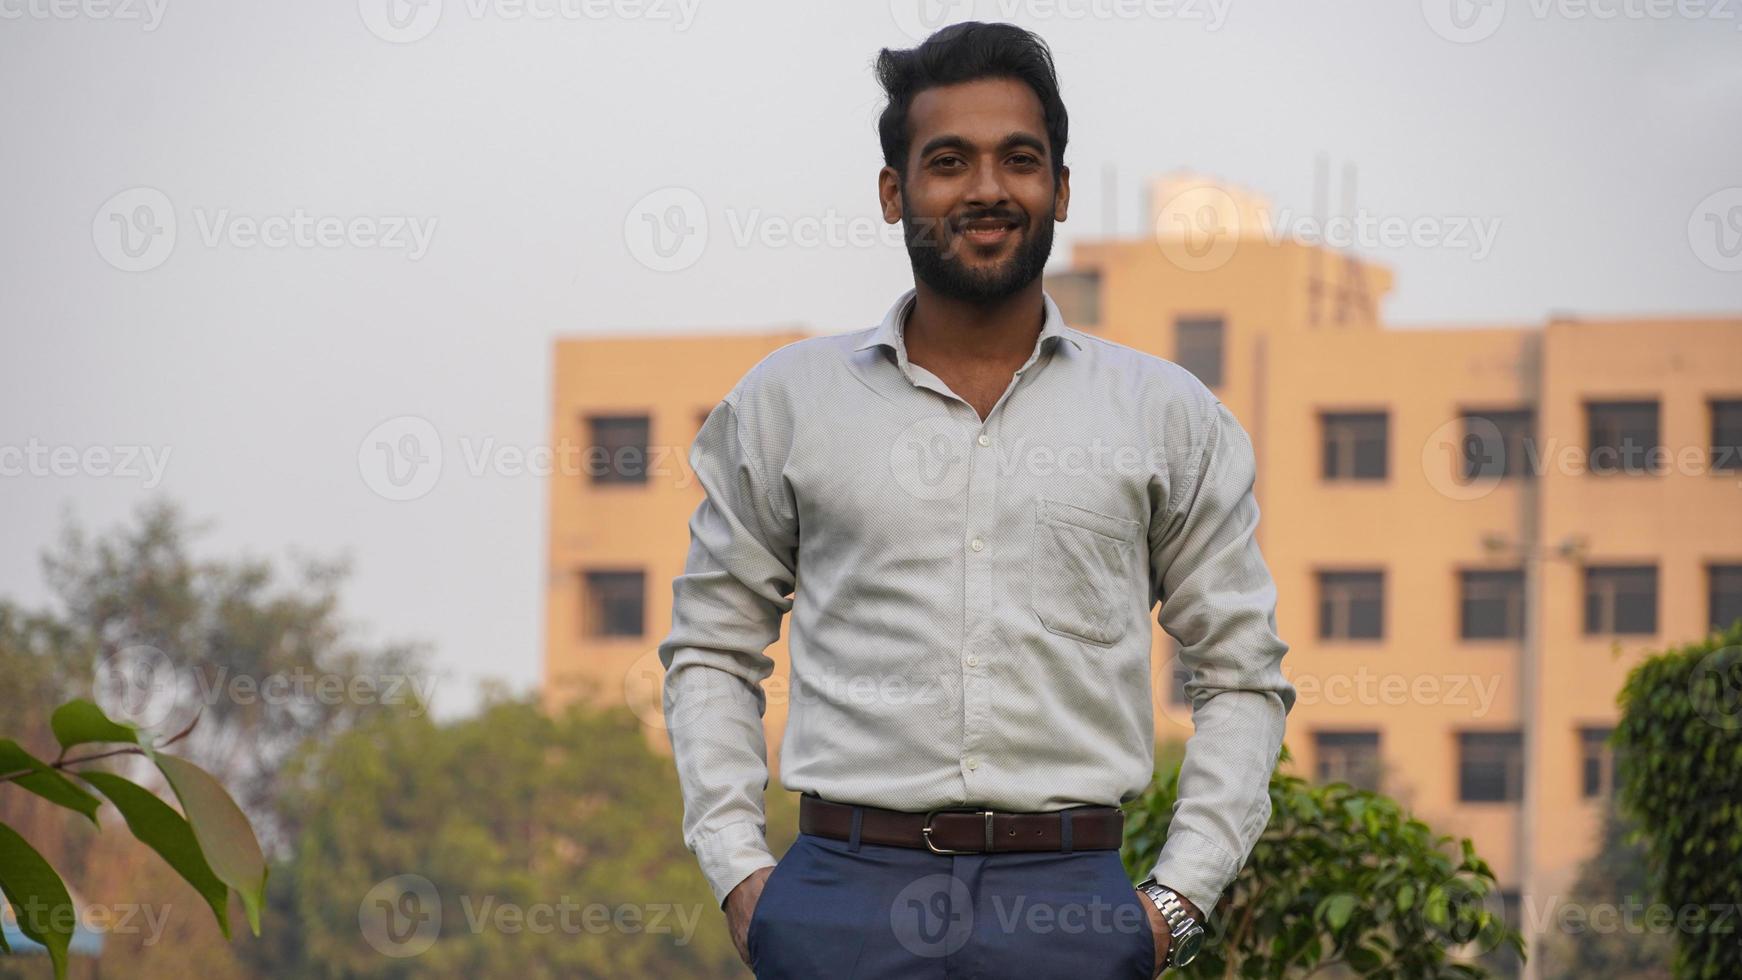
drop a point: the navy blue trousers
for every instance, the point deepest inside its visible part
(850, 909)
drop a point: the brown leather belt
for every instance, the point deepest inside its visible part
(966, 830)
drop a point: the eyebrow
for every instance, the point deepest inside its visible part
(958, 142)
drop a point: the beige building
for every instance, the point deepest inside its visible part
(1475, 532)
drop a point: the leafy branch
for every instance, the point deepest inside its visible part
(209, 843)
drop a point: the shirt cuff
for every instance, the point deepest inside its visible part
(730, 854)
(1196, 867)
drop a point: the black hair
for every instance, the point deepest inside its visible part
(961, 53)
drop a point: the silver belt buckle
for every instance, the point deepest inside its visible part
(925, 831)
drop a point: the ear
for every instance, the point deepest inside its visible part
(889, 194)
(1062, 199)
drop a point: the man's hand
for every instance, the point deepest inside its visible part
(741, 905)
(1158, 927)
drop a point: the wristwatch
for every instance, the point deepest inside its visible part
(1187, 935)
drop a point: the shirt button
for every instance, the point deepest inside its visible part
(985, 440)
(973, 764)
(973, 661)
(977, 544)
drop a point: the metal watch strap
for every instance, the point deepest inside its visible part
(1179, 922)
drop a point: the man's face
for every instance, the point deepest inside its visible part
(978, 203)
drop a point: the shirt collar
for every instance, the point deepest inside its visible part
(889, 332)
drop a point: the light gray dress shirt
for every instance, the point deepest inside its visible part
(970, 598)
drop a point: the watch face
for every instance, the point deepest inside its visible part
(1187, 948)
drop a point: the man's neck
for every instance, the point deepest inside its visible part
(956, 331)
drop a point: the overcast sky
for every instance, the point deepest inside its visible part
(449, 187)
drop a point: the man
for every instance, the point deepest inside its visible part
(969, 510)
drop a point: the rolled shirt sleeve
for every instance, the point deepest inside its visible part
(727, 607)
(1218, 601)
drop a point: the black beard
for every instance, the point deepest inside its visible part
(949, 276)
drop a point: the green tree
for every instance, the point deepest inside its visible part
(1680, 740)
(479, 832)
(1343, 881)
(157, 634)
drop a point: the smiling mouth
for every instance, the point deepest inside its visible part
(989, 232)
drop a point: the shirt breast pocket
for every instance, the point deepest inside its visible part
(1082, 559)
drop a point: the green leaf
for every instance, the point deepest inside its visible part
(1336, 910)
(39, 898)
(221, 830)
(160, 828)
(80, 722)
(45, 782)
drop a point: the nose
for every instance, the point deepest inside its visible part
(986, 188)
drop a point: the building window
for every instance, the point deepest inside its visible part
(1198, 347)
(1351, 605)
(1078, 297)
(1490, 767)
(1724, 594)
(1491, 604)
(1499, 445)
(1347, 757)
(1621, 437)
(612, 604)
(1727, 435)
(617, 448)
(1354, 445)
(1599, 765)
(1621, 599)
